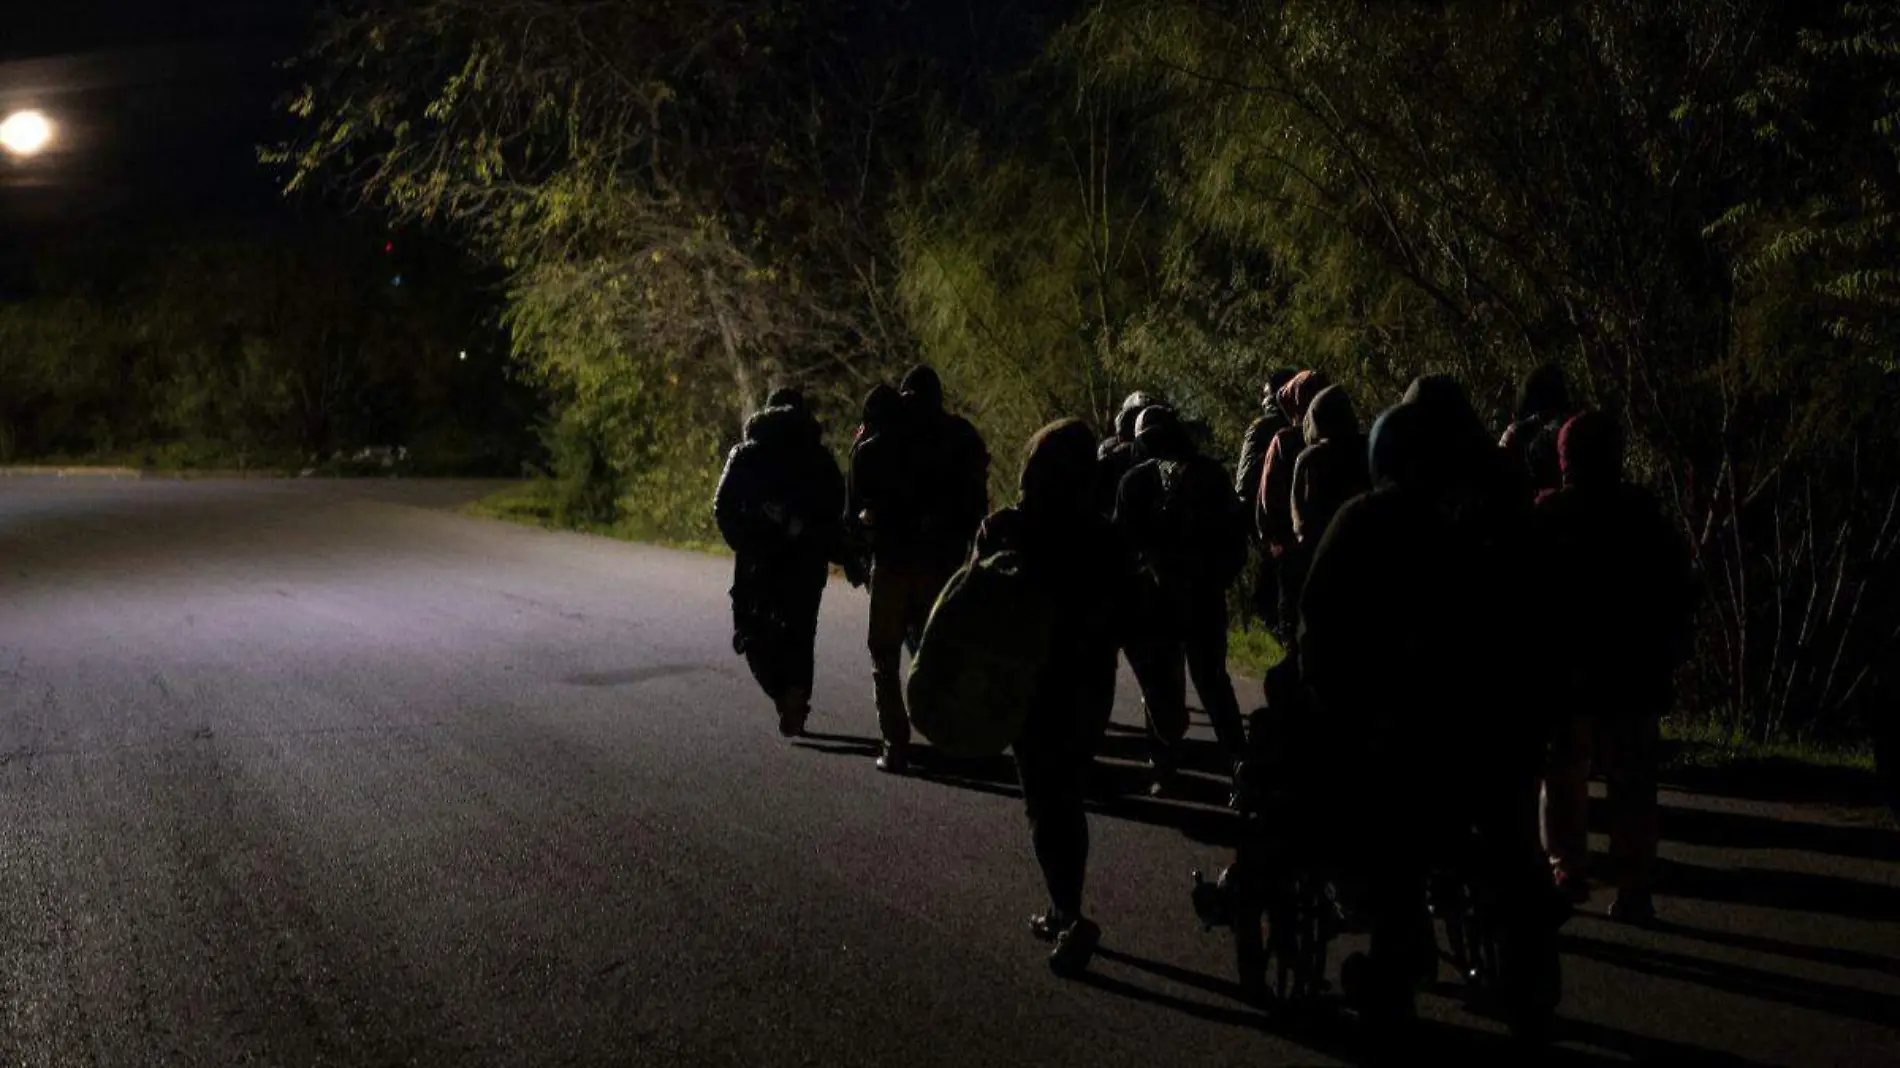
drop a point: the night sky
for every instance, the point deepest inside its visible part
(160, 106)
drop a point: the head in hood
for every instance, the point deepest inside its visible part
(1545, 391)
(1407, 449)
(786, 397)
(782, 424)
(1444, 396)
(1059, 468)
(1270, 396)
(883, 407)
(1590, 450)
(923, 388)
(1330, 416)
(1159, 433)
(1131, 410)
(1298, 393)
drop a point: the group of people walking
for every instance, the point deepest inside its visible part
(1470, 624)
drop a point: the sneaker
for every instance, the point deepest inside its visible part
(1075, 947)
(738, 643)
(894, 760)
(1047, 926)
(1633, 907)
(1574, 888)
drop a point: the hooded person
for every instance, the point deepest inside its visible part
(1260, 434)
(1069, 549)
(1273, 497)
(1117, 454)
(778, 506)
(1332, 469)
(873, 455)
(928, 495)
(1378, 648)
(1179, 515)
(1543, 407)
(1621, 577)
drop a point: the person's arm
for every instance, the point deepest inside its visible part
(1253, 459)
(732, 501)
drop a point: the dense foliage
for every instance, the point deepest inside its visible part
(1691, 204)
(254, 346)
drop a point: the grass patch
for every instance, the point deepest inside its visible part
(535, 504)
(1252, 651)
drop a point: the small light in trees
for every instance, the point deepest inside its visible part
(396, 281)
(389, 247)
(464, 354)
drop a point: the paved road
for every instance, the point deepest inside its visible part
(305, 774)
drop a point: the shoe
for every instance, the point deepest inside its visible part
(894, 760)
(738, 643)
(1633, 907)
(1163, 779)
(793, 709)
(1574, 888)
(1075, 947)
(1047, 926)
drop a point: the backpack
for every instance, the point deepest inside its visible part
(977, 671)
(1201, 521)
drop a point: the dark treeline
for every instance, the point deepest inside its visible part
(1690, 204)
(254, 343)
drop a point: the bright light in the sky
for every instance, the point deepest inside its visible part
(25, 133)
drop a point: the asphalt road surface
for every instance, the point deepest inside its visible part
(297, 773)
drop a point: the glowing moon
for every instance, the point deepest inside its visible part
(25, 133)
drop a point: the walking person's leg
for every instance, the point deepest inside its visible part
(1053, 773)
(803, 594)
(1566, 806)
(1631, 771)
(891, 581)
(1206, 648)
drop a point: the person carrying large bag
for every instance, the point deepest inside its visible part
(1048, 676)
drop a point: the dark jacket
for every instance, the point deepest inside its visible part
(1197, 543)
(1332, 469)
(1073, 552)
(925, 482)
(1543, 407)
(781, 492)
(1621, 597)
(1253, 451)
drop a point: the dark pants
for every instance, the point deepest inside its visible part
(1626, 750)
(775, 601)
(904, 589)
(1185, 629)
(1052, 766)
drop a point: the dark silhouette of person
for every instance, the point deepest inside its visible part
(1178, 512)
(1620, 575)
(872, 445)
(1070, 550)
(924, 492)
(1543, 407)
(1117, 453)
(1408, 641)
(1247, 471)
(778, 506)
(1272, 507)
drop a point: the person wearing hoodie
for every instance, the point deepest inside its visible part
(1622, 576)
(1332, 468)
(1069, 549)
(924, 498)
(873, 449)
(1117, 453)
(1543, 407)
(1402, 643)
(1273, 496)
(778, 506)
(1253, 461)
(1179, 514)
